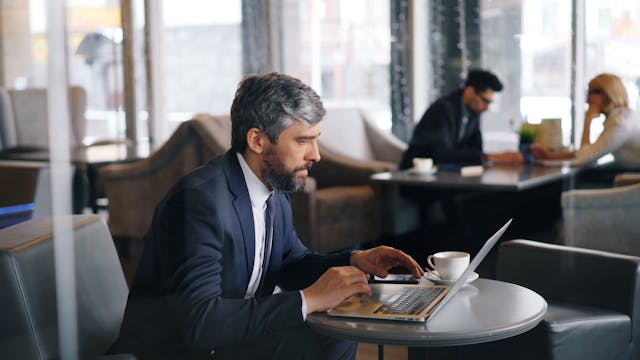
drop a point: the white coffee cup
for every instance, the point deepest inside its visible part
(422, 164)
(449, 264)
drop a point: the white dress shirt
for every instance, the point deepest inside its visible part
(258, 194)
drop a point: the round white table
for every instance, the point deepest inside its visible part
(482, 311)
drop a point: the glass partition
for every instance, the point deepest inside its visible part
(527, 43)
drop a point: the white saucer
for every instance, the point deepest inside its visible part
(414, 171)
(434, 277)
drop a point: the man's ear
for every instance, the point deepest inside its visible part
(256, 140)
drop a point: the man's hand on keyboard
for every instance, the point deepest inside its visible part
(334, 286)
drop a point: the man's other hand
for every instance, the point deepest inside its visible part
(506, 158)
(379, 260)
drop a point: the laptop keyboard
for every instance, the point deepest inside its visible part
(410, 300)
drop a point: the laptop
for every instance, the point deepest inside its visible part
(410, 302)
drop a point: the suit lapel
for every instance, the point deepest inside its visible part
(242, 207)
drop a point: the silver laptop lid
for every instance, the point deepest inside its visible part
(471, 268)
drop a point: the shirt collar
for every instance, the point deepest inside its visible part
(258, 192)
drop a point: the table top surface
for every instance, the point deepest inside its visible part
(506, 178)
(95, 154)
(493, 178)
(482, 311)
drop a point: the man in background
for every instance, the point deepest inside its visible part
(449, 131)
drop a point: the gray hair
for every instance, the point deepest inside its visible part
(270, 103)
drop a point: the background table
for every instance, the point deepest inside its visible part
(483, 311)
(494, 178)
(87, 160)
(528, 193)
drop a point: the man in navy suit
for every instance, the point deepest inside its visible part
(222, 239)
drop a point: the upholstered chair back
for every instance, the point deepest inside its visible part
(29, 326)
(134, 189)
(339, 207)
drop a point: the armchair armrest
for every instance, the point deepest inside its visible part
(599, 198)
(566, 274)
(339, 170)
(626, 179)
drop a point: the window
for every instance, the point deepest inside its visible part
(95, 62)
(527, 44)
(342, 49)
(201, 57)
(613, 46)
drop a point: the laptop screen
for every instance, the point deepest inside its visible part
(472, 267)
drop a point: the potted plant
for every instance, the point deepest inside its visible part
(528, 134)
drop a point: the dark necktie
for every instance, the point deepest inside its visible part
(268, 239)
(463, 127)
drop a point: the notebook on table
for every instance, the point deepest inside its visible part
(412, 302)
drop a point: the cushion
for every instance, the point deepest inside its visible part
(344, 132)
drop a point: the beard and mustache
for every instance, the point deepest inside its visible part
(278, 177)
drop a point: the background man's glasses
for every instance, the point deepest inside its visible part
(484, 99)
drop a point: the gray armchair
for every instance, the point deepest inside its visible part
(604, 219)
(339, 207)
(593, 298)
(134, 189)
(29, 326)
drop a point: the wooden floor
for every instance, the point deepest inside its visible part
(370, 352)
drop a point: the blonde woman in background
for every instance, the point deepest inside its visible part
(621, 135)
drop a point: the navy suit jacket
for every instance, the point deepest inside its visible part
(188, 292)
(436, 135)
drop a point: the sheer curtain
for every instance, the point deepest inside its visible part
(401, 122)
(255, 37)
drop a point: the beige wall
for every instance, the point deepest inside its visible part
(15, 41)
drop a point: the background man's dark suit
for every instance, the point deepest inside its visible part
(436, 135)
(188, 293)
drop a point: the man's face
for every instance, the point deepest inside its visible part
(478, 101)
(286, 164)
